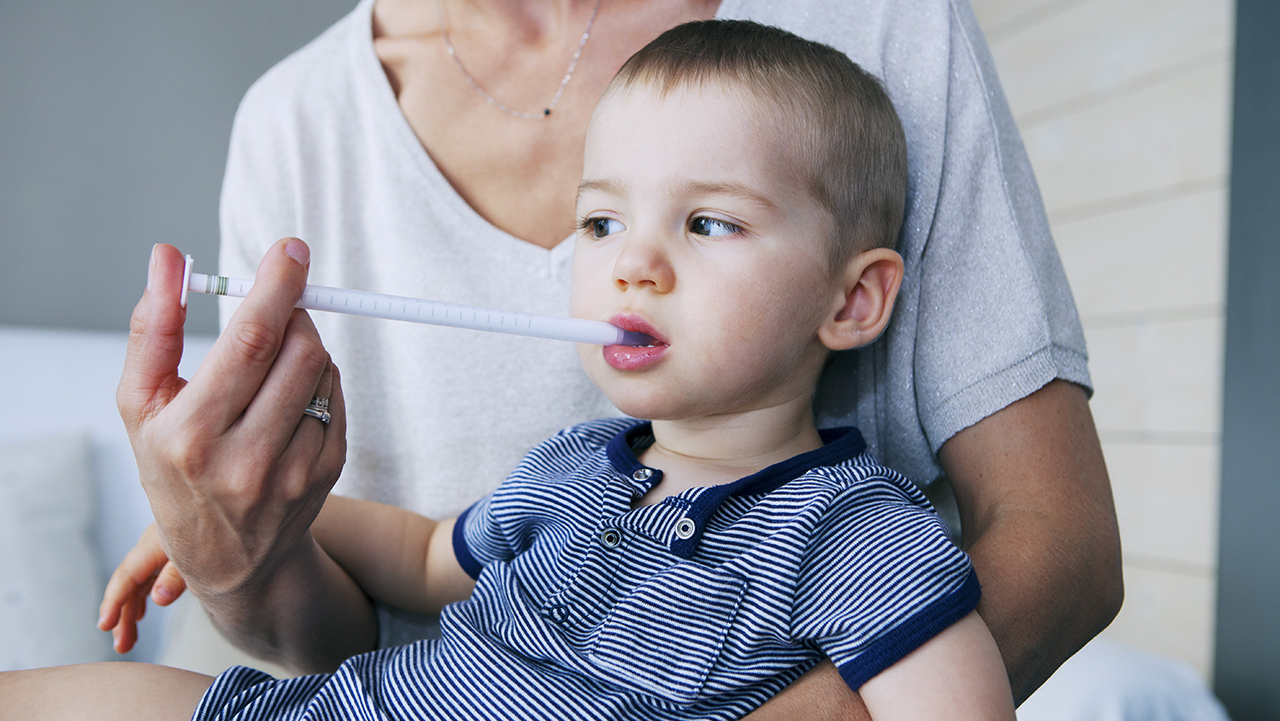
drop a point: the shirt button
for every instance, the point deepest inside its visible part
(643, 474)
(610, 538)
(685, 528)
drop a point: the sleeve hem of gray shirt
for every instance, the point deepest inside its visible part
(1002, 389)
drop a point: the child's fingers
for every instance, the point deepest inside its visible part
(125, 632)
(113, 601)
(138, 569)
(168, 585)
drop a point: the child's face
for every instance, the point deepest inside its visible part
(697, 229)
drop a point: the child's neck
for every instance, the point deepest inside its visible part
(713, 450)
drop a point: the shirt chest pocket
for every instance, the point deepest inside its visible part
(664, 636)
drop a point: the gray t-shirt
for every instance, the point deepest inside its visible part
(439, 416)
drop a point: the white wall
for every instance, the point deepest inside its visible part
(1124, 106)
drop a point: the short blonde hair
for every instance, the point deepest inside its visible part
(851, 142)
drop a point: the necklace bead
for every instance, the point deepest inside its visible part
(568, 74)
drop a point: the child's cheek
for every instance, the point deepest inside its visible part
(588, 284)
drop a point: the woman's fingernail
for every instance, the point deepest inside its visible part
(151, 266)
(162, 595)
(298, 250)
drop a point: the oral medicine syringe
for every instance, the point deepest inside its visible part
(417, 310)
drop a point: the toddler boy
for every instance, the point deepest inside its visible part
(741, 197)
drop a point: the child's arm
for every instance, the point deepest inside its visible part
(396, 556)
(958, 674)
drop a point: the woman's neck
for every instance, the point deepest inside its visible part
(527, 21)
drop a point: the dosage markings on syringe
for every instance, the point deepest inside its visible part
(569, 329)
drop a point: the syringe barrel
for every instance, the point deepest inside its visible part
(377, 305)
(416, 310)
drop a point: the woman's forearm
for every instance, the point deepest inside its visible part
(309, 615)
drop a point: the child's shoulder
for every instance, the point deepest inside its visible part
(865, 476)
(865, 497)
(878, 537)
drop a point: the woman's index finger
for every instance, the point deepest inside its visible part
(233, 371)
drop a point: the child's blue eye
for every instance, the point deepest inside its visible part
(712, 227)
(602, 227)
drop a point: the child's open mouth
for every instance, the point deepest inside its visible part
(635, 357)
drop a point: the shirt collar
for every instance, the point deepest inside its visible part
(840, 444)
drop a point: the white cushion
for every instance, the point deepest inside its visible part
(1112, 681)
(50, 583)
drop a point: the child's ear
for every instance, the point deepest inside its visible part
(870, 285)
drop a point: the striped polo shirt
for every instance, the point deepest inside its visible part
(703, 606)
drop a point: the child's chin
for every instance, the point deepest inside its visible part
(649, 409)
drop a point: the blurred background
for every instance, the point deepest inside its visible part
(1125, 108)
(114, 120)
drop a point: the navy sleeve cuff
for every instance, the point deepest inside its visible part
(912, 633)
(460, 549)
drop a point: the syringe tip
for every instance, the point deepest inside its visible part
(634, 338)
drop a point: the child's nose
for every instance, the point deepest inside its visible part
(643, 263)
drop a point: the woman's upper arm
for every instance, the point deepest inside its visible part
(957, 674)
(1039, 524)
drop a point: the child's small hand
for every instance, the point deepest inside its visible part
(145, 570)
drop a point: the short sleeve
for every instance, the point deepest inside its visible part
(478, 540)
(985, 315)
(996, 318)
(879, 579)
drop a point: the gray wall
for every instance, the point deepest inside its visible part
(1248, 631)
(114, 119)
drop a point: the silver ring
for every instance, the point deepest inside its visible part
(318, 408)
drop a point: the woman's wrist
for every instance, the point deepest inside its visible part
(306, 614)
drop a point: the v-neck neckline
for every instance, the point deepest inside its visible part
(411, 146)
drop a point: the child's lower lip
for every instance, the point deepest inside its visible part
(631, 358)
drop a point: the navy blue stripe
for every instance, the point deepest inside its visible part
(460, 548)
(840, 444)
(913, 633)
(621, 451)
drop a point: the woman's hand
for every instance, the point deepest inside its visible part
(234, 471)
(145, 570)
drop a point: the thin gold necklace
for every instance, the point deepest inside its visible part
(448, 45)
